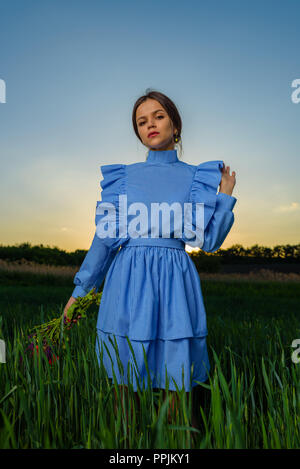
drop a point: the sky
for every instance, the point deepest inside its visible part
(73, 71)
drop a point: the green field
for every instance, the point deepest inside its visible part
(252, 399)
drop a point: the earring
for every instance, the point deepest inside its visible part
(176, 138)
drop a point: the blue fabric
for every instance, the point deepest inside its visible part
(186, 361)
(152, 291)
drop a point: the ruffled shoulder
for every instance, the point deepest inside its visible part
(110, 219)
(207, 178)
(114, 182)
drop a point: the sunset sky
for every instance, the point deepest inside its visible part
(73, 71)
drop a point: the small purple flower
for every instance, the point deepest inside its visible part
(30, 346)
(48, 352)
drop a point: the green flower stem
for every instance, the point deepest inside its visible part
(52, 329)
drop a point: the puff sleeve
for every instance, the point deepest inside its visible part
(215, 216)
(102, 250)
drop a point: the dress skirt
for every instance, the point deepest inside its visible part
(152, 297)
(183, 359)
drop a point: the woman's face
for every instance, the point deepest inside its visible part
(152, 117)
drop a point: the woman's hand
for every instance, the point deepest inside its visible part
(228, 181)
(68, 305)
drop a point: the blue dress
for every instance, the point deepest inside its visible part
(152, 292)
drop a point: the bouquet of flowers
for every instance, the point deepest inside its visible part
(50, 335)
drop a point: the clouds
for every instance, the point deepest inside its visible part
(291, 207)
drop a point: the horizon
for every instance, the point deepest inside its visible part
(188, 249)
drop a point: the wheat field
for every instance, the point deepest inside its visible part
(251, 400)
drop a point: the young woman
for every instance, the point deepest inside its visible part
(152, 292)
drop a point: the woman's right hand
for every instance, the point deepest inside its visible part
(68, 305)
(227, 181)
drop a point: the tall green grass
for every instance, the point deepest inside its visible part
(251, 400)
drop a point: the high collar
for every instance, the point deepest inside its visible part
(162, 156)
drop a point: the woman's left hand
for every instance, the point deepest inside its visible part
(228, 181)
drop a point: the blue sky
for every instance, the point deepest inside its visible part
(73, 70)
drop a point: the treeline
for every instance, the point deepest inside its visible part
(235, 254)
(258, 256)
(42, 254)
(286, 252)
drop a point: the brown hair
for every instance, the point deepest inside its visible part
(169, 107)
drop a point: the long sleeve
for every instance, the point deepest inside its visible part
(103, 249)
(209, 232)
(220, 223)
(94, 267)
